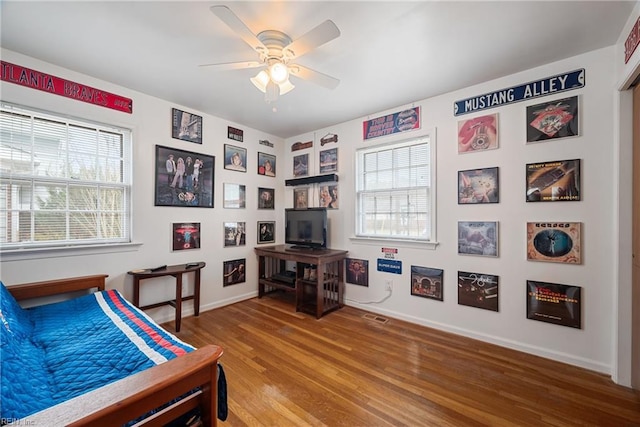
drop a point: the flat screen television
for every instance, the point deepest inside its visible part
(306, 228)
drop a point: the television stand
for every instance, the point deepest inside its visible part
(316, 296)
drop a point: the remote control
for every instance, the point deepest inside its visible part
(192, 264)
(162, 267)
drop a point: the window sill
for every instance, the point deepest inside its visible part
(406, 243)
(40, 253)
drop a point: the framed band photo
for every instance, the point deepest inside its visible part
(186, 126)
(183, 178)
(266, 164)
(266, 232)
(235, 158)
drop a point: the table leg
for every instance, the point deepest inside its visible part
(178, 300)
(319, 290)
(196, 294)
(136, 291)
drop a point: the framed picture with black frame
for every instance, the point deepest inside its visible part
(266, 232)
(183, 178)
(266, 164)
(427, 282)
(186, 126)
(235, 158)
(477, 186)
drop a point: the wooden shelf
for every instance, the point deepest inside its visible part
(331, 177)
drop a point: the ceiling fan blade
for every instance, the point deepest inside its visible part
(233, 65)
(233, 22)
(318, 36)
(313, 76)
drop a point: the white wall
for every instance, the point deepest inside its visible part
(590, 346)
(151, 125)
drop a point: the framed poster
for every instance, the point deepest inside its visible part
(185, 235)
(266, 198)
(478, 290)
(478, 186)
(183, 178)
(235, 158)
(554, 303)
(301, 198)
(186, 126)
(478, 238)
(329, 160)
(553, 120)
(557, 181)
(478, 134)
(426, 282)
(235, 234)
(233, 272)
(266, 232)
(266, 164)
(301, 165)
(357, 271)
(235, 196)
(329, 196)
(554, 242)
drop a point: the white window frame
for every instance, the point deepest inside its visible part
(399, 240)
(32, 249)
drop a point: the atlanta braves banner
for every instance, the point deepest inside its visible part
(548, 86)
(46, 82)
(393, 123)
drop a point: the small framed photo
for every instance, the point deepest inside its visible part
(185, 235)
(186, 126)
(301, 165)
(557, 181)
(301, 197)
(329, 196)
(357, 271)
(266, 164)
(426, 282)
(478, 290)
(478, 134)
(183, 178)
(233, 272)
(553, 120)
(554, 242)
(554, 303)
(235, 234)
(478, 186)
(235, 158)
(329, 160)
(266, 232)
(478, 238)
(266, 198)
(235, 196)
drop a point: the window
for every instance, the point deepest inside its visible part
(63, 182)
(395, 194)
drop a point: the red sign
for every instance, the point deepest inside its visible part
(46, 82)
(632, 41)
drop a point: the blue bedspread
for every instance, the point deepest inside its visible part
(55, 352)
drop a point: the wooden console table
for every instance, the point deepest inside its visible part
(171, 270)
(317, 297)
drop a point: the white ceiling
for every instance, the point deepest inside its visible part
(389, 53)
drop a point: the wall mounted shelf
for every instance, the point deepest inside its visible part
(331, 177)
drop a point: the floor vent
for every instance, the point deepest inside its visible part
(376, 318)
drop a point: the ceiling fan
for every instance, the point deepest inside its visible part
(276, 53)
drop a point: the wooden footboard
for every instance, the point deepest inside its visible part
(135, 396)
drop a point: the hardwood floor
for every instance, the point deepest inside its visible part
(288, 369)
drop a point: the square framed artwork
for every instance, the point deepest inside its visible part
(328, 197)
(233, 272)
(266, 198)
(179, 182)
(266, 164)
(186, 126)
(301, 197)
(266, 232)
(301, 165)
(554, 303)
(235, 196)
(357, 271)
(478, 238)
(556, 181)
(478, 290)
(235, 158)
(478, 134)
(554, 242)
(185, 236)
(553, 120)
(235, 234)
(329, 160)
(427, 282)
(478, 186)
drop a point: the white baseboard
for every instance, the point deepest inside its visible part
(187, 309)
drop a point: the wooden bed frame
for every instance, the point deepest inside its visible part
(132, 397)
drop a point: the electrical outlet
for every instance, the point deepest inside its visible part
(388, 285)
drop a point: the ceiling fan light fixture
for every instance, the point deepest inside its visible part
(279, 72)
(260, 81)
(286, 87)
(272, 92)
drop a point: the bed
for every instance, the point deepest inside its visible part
(98, 360)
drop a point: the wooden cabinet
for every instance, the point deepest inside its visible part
(319, 294)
